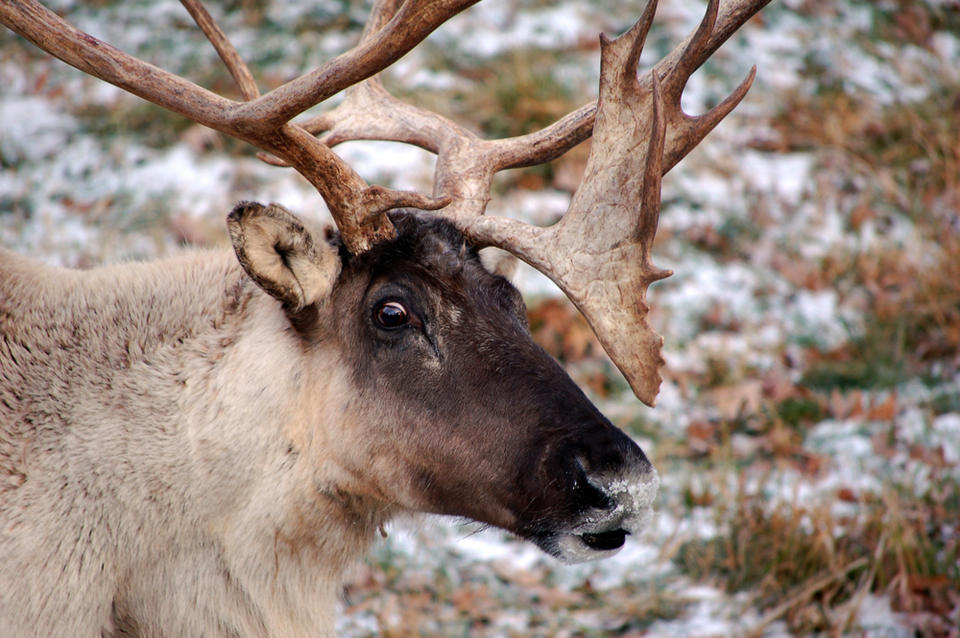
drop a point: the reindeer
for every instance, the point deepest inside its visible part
(202, 445)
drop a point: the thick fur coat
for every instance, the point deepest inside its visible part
(201, 446)
(128, 392)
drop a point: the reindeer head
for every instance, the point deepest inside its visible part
(491, 427)
(447, 406)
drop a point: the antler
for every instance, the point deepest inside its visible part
(599, 253)
(263, 121)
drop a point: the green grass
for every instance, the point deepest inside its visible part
(796, 411)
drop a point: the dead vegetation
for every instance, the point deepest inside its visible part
(802, 488)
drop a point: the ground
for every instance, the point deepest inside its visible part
(808, 429)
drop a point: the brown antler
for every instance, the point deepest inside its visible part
(263, 121)
(599, 253)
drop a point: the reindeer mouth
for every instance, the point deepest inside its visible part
(578, 547)
(602, 532)
(605, 541)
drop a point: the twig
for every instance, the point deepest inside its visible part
(803, 593)
(865, 583)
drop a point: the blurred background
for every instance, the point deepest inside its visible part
(808, 428)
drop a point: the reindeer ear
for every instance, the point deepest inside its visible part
(499, 262)
(282, 255)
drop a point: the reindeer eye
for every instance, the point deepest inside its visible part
(391, 314)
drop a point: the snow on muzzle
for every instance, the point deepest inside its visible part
(602, 531)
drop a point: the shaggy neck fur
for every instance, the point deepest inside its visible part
(186, 388)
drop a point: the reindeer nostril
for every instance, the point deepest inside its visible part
(588, 495)
(601, 501)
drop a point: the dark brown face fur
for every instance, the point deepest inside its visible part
(480, 421)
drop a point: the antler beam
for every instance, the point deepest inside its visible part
(600, 251)
(264, 121)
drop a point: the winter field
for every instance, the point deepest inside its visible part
(808, 430)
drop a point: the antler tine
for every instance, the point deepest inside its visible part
(381, 13)
(637, 37)
(370, 112)
(355, 206)
(686, 131)
(690, 130)
(675, 79)
(235, 64)
(599, 253)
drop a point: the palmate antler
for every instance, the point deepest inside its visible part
(599, 253)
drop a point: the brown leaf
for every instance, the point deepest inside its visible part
(732, 401)
(885, 411)
(847, 495)
(561, 330)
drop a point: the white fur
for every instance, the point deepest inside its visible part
(166, 456)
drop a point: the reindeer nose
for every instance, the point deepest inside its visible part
(606, 450)
(601, 456)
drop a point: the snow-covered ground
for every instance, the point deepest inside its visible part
(753, 225)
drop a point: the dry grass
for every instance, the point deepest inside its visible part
(808, 563)
(501, 600)
(811, 567)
